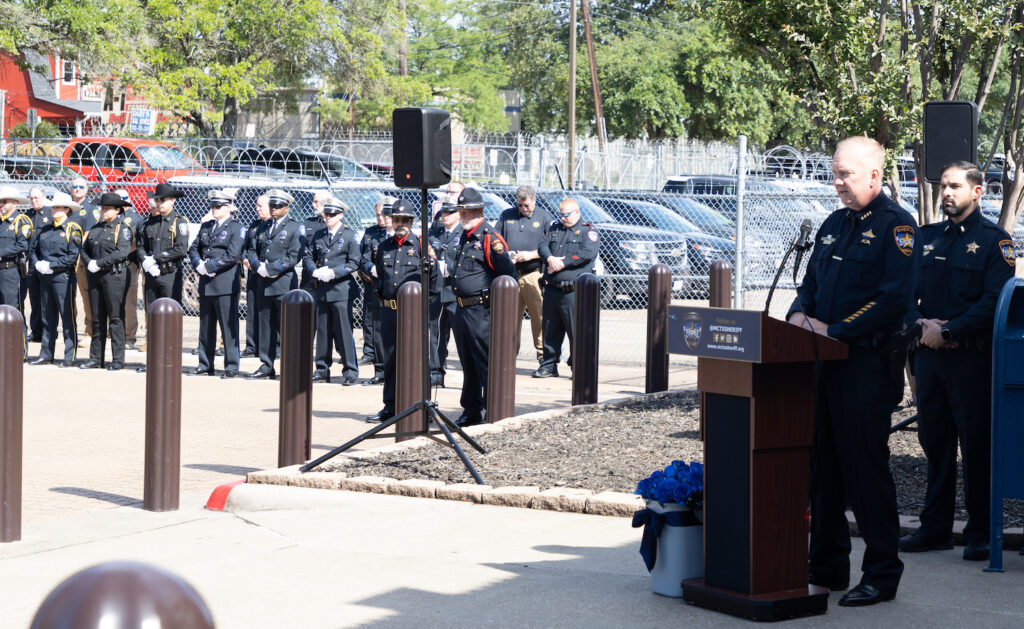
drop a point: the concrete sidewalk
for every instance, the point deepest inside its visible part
(292, 557)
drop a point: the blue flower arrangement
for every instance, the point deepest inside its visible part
(679, 483)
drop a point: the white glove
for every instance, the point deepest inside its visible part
(43, 266)
(93, 267)
(373, 270)
(154, 270)
(147, 263)
(262, 271)
(443, 267)
(201, 268)
(324, 274)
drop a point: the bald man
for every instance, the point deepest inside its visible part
(858, 286)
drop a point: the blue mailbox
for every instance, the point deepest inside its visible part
(1007, 411)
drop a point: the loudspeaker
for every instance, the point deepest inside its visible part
(422, 147)
(950, 135)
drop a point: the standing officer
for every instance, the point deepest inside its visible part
(444, 239)
(105, 254)
(133, 220)
(55, 251)
(252, 327)
(857, 289)
(214, 255)
(312, 225)
(372, 238)
(331, 261)
(524, 232)
(15, 241)
(396, 262)
(568, 251)
(40, 214)
(278, 247)
(86, 217)
(965, 260)
(482, 257)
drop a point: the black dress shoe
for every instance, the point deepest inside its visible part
(141, 369)
(320, 376)
(115, 366)
(374, 380)
(545, 373)
(836, 584)
(865, 594)
(40, 361)
(91, 364)
(365, 360)
(195, 351)
(219, 351)
(919, 542)
(262, 372)
(349, 381)
(67, 363)
(35, 338)
(130, 345)
(977, 551)
(437, 380)
(467, 419)
(382, 416)
(229, 374)
(247, 353)
(199, 371)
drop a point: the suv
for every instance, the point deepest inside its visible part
(301, 161)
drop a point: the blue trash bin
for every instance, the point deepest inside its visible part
(1007, 414)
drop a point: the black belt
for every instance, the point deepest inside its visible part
(566, 286)
(466, 302)
(62, 269)
(388, 303)
(8, 264)
(167, 267)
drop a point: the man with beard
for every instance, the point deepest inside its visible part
(965, 260)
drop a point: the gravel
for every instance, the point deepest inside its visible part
(614, 448)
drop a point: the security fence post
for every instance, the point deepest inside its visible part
(741, 185)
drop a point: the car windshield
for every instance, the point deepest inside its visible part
(663, 218)
(161, 157)
(589, 211)
(361, 204)
(347, 169)
(698, 213)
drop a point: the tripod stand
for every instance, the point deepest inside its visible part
(427, 406)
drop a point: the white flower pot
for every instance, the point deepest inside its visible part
(680, 553)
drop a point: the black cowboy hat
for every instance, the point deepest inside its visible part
(112, 199)
(164, 190)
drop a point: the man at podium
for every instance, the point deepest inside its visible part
(858, 285)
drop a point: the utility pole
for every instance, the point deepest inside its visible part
(571, 176)
(403, 68)
(598, 112)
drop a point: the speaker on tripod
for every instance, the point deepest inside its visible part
(950, 135)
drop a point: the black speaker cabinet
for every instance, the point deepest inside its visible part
(422, 147)
(950, 134)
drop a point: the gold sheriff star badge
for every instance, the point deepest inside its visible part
(972, 247)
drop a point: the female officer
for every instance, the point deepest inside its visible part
(53, 255)
(105, 254)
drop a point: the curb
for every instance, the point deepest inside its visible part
(219, 497)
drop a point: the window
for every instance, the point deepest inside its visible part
(69, 71)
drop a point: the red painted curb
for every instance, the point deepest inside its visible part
(219, 497)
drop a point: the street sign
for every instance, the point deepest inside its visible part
(142, 121)
(32, 119)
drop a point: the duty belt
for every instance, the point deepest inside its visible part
(167, 267)
(63, 269)
(466, 302)
(389, 303)
(8, 264)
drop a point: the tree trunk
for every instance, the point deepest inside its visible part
(928, 210)
(229, 125)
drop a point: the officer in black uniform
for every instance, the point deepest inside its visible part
(252, 327)
(523, 230)
(105, 254)
(965, 261)
(332, 261)
(214, 255)
(444, 238)
(163, 245)
(568, 250)
(15, 241)
(481, 258)
(278, 247)
(857, 288)
(133, 220)
(312, 225)
(372, 239)
(39, 211)
(55, 251)
(396, 262)
(86, 217)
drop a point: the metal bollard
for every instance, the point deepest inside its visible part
(586, 320)
(295, 414)
(501, 361)
(659, 294)
(162, 481)
(123, 594)
(12, 338)
(409, 358)
(720, 286)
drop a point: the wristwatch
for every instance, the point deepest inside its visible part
(946, 335)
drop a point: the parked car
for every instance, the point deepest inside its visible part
(302, 161)
(23, 167)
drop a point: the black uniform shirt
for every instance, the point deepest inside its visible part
(165, 237)
(963, 269)
(398, 263)
(58, 244)
(578, 245)
(15, 236)
(522, 233)
(446, 244)
(372, 237)
(861, 271)
(482, 256)
(108, 244)
(221, 246)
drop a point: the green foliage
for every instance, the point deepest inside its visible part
(44, 129)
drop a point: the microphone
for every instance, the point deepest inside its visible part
(802, 244)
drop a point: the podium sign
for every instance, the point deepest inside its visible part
(715, 333)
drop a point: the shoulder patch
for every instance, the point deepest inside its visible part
(904, 236)
(592, 234)
(241, 232)
(1009, 252)
(183, 229)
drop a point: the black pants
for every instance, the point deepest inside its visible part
(252, 326)
(954, 393)
(270, 328)
(165, 285)
(214, 311)
(850, 465)
(30, 289)
(334, 329)
(433, 331)
(440, 333)
(374, 312)
(107, 292)
(387, 328)
(10, 295)
(57, 301)
(557, 318)
(369, 322)
(472, 329)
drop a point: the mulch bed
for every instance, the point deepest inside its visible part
(612, 449)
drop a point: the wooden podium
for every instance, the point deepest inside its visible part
(755, 375)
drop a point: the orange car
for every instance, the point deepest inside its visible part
(132, 163)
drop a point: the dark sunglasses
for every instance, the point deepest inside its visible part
(217, 206)
(276, 205)
(79, 187)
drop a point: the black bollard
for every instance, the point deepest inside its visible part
(720, 286)
(162, 480)
(295, 414)
(659, 294)
(123, 594)
(586, 320)
(409, 358)
(501, 361)
(12, 339)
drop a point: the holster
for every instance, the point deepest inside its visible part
(23, 266)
